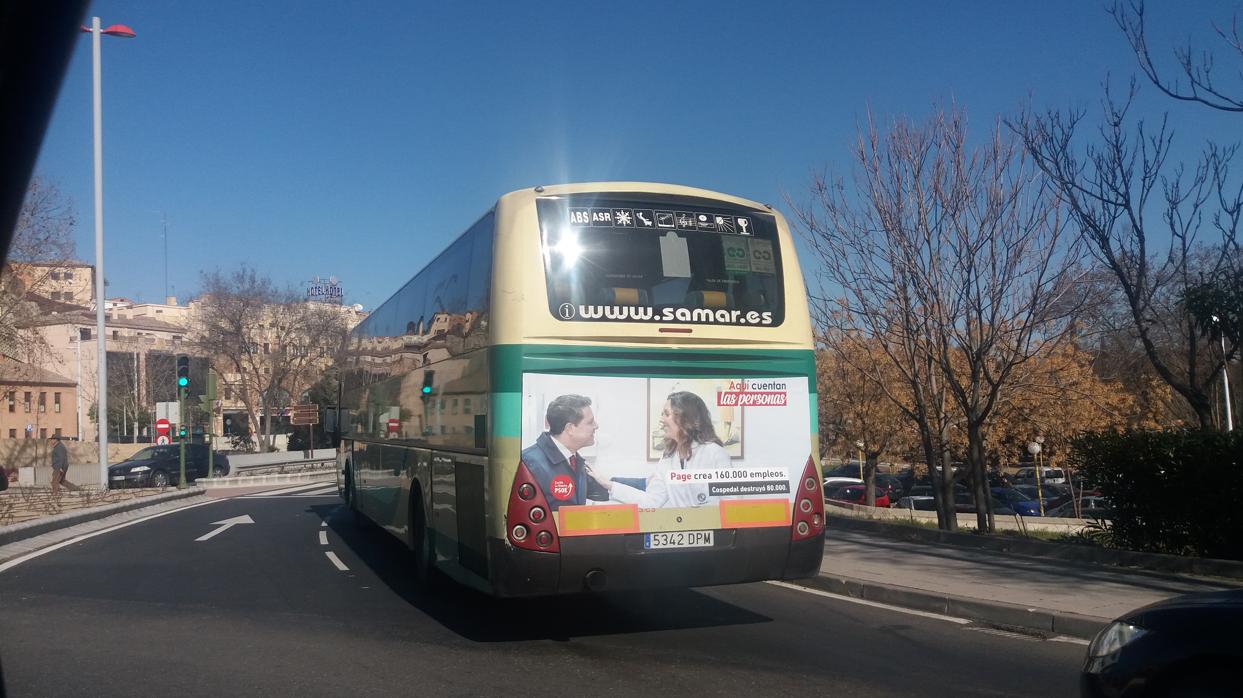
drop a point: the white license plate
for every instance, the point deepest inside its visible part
(118, 477)
(678, 539)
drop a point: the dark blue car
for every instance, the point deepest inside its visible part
(1018, 502)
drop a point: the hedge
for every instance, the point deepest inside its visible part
(1172, 491)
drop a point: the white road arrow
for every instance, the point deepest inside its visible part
(226, 525)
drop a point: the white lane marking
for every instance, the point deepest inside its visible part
(323, 538)
(224, 526)
(873, 604)
(1002, 633)
(77, 539)
(327, 490)
(1069, 640)
(295, 488)
(323, 523)
(336, 561)
(289, 496)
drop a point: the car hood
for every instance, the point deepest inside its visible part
(1215, 607)
(127, 464)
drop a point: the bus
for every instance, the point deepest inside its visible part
(604, 386)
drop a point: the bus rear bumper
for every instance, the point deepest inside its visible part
(619, 562)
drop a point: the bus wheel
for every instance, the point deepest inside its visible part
(421, 536)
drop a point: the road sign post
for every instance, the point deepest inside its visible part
(305, 415)
(162, 427)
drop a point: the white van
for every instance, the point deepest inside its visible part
(1052, 476)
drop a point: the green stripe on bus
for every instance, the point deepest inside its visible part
(510, 361)
(507, 414)
(815, 408)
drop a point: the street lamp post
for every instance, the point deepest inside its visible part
(1225, 376)
(859, 445)
(101, 371)
(1034, 448)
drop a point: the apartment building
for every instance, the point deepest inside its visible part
(36, 403)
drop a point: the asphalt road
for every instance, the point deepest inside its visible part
(260, 609)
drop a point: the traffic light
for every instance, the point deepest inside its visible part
(427, 382)
(183, 372)
(181, 432)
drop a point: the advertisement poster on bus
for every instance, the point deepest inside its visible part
(651, 444)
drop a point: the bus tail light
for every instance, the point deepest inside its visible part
(527, 520)
(808, 505)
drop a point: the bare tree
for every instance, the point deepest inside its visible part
(868, 285)
(42, 238)
(853, 377)
(126, 413)
(273, 344)
(1197, 83)
(1112, 186)
(956, 258)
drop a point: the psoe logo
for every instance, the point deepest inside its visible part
(562, 487)
(566, 311)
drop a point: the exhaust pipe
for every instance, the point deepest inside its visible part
(595, 580)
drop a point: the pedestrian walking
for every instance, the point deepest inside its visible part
(60, 466)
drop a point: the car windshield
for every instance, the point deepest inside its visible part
(145, 454)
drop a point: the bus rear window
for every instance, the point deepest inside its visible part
(670, 261)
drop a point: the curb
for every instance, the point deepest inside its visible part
(30, 529)
(272, 479)
(1041, 620)
(1158, 563)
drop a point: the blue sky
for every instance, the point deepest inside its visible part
(357, 139)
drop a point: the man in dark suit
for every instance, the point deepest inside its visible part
(553, 459)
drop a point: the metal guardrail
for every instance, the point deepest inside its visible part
(282, 468)
(243, 465)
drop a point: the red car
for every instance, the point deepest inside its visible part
(854, 494)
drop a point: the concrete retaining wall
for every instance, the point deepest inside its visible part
(246, 460)
(965, 521)
(17, 453)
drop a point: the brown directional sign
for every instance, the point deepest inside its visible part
(303, 414)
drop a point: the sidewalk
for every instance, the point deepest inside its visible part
(1047, 595)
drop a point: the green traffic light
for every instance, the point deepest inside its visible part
(427, 390)
(183, 381)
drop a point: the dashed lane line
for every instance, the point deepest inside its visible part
(1070, 640)
(332, 557)
(323, 537)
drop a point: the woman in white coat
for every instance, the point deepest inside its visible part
(691, 443)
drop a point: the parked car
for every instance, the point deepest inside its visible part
(832, 482)
(1186, 646)
(1015, 500)
(1090, 507)
(920, 497)
(1027, 476)
(891, 485)
(918, 502)
(845, 470)
(854, 494)
(1050, 493)
(160, 466)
